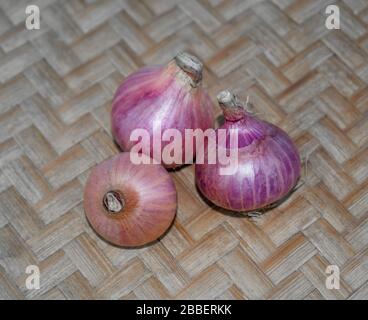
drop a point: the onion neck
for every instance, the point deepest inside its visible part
(113, 202)
(191, 66)
(232, 108)
(239, 117)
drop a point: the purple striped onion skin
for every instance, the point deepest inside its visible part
(268, 164)
(167, 96)
(129, 204)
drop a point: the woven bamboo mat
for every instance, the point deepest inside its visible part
(56, 86)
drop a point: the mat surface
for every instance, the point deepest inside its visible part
(56, 86)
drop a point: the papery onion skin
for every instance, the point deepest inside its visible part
(165, 96)
(149, 201)
(268, 165)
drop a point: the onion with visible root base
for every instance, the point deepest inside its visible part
(267, 166)
(129, 204)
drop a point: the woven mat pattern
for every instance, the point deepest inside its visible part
(56, 86)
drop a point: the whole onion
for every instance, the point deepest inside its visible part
(129, 204)
(267, 167)
(159, 98)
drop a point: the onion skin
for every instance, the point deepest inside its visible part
(268, 164)
(148, 196)
(169, 96)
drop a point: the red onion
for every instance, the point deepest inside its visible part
(159, 98)
(267, 167)
(129, 204)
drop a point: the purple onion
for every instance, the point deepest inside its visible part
(129, 204)
(268, 162)
(169, 96)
